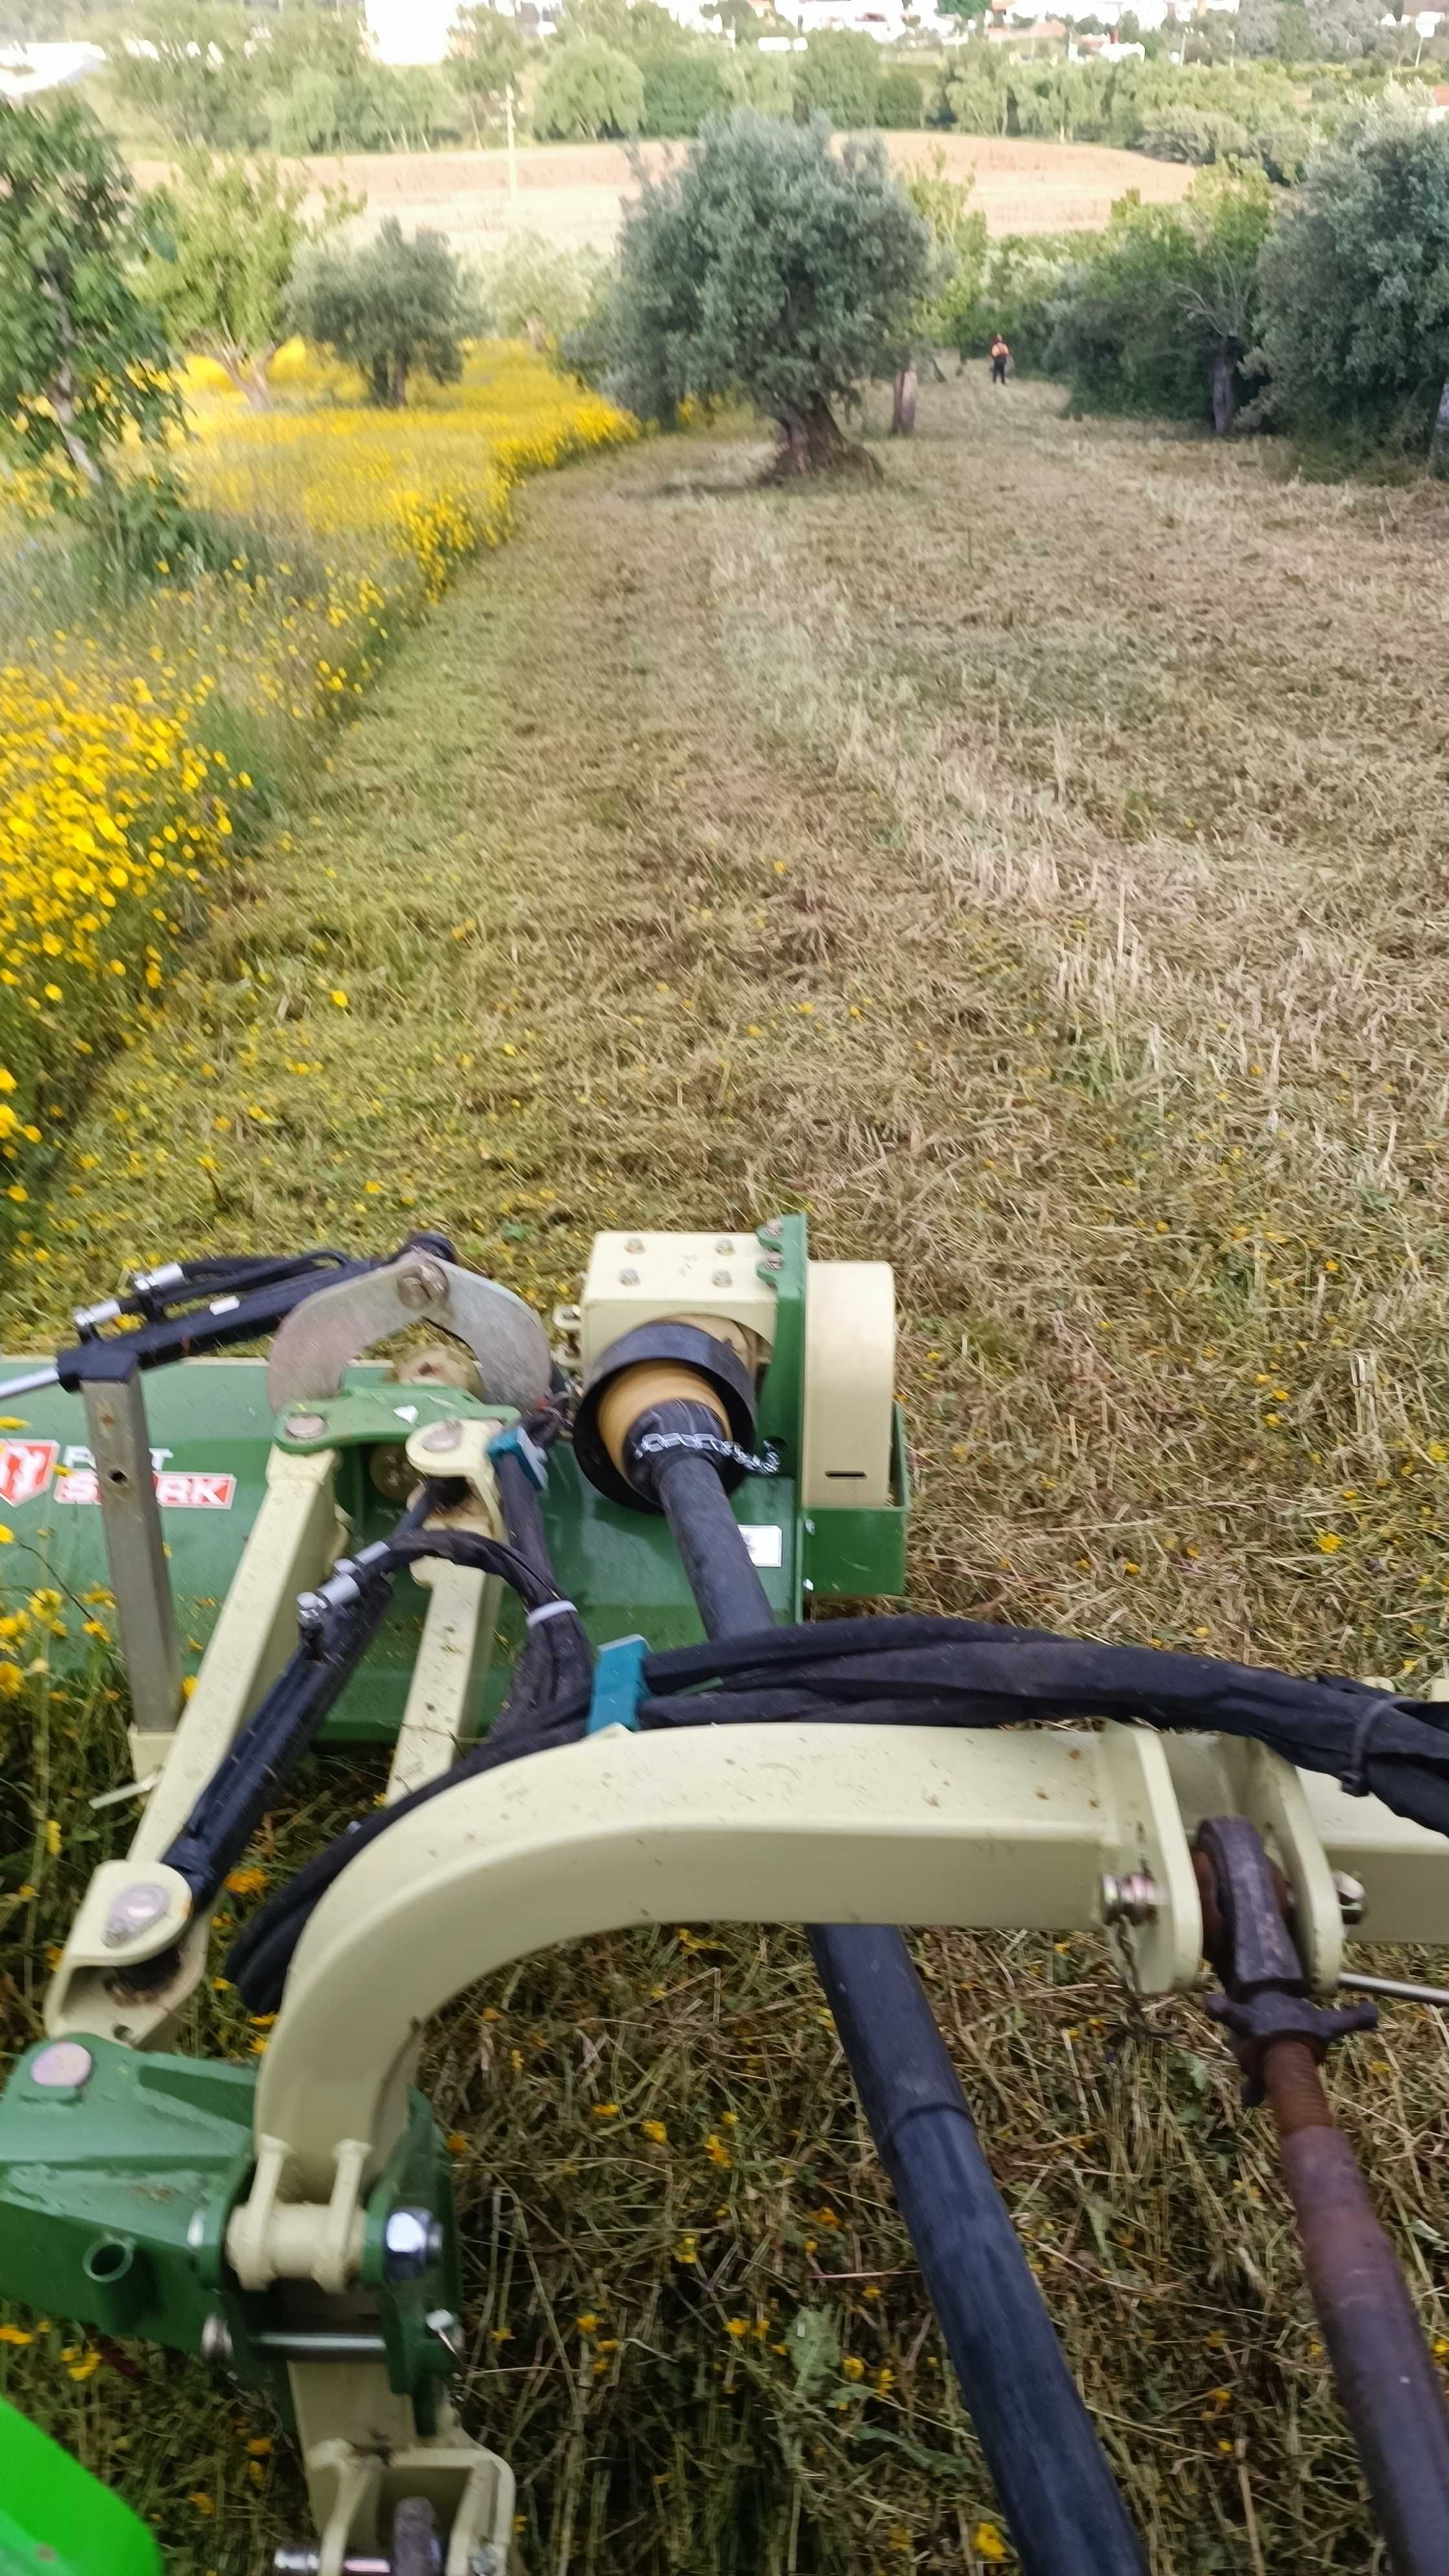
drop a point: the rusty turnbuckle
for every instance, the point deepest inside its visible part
(1385, 2374)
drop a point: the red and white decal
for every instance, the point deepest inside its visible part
(177, 1489)
(26, 1468)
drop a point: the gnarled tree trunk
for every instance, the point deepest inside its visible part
(903, 409)
(811, 443)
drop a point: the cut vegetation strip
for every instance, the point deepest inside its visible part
(944, 856)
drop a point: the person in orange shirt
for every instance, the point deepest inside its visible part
(1000, 357)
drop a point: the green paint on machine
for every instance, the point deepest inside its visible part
(56, 2519)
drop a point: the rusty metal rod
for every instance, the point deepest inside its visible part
(1386, 2378)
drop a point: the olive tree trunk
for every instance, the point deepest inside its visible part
(903, 410)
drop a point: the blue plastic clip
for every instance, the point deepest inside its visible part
(618, 1685)
(534, 1459)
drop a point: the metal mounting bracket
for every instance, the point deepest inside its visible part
(333, 1327)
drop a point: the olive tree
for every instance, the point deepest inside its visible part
(766, 266)
(396, 305)
(1355, 283)
(84, 365)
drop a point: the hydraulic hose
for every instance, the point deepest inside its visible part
(1056, 2488)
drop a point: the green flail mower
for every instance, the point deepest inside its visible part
(570, 1588)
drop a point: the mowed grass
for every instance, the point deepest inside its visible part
(1031, 866)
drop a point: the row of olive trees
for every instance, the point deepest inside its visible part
(1328, 314)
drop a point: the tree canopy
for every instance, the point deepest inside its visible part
(1355, 282)
(769, 267)
(226, 238)
(398, 305)
(83, 361)
(590, 88)
(1162, 311)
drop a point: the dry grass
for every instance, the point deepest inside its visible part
(1032, 866)
(572, 193)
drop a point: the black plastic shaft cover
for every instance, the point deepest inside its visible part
(688, 1346)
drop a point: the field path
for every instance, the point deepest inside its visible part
(1030, 866)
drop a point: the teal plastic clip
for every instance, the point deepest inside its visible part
(535, 1460)
(618, 1685)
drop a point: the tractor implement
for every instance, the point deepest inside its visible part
(570, 1591)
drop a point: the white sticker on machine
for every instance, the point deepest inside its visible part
(764, 1546)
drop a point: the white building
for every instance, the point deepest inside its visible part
(26, 70)
(410, 31)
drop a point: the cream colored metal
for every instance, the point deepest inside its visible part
(270, 2237)
(1164, 1954)
(850, 1366)
(445, 1694)
(446, 1690)
(634, 1278)
(295, 1540)
(79, 1999)
(357, 2472)
(755, 1823)
(1404, 1867)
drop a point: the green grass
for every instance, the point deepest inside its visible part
(1031, 866)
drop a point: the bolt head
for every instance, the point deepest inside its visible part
(724, 1243)
(134, 1911)
(63, 2067)
(306, 1426)
(628, 1278)
(422, 1283)
(442, 1435)
(773, 1261)
(635, 1243)
(722, 1278)
(412, 2243)
(1135, 1898)
(216, 2344)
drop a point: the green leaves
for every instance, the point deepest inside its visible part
(82, 360)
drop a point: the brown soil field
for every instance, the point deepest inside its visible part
(572, 193)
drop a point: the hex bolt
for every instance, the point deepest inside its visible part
(773, 1261)
(770, 1230)
(134, 1911)
(422, 1283)
(628, 1278)
(1136, 1898)
(442, 1435)
(1352, 1900)
(722, 1278)
(63, 2067)
(442, 2323)
(487, 2561)
(412, 2243)
(196, 2232)
(216, 2343)
(635, 1243)
(306, 1426)
(724, 1243)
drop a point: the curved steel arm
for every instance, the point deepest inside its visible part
(772, 1824)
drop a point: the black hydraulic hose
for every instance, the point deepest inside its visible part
(1056, 2488)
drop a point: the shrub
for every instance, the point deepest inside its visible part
(531, 290)
(680, 91)
(589, 89)
(386, 309)
(772, 268)
(1160, 315)
(899, 100)
(838, 78)
(1355, 283)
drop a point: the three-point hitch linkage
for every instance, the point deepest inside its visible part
(716, 1449)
